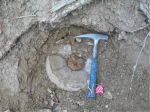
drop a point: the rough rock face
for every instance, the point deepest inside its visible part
(63, 76)
(121, 14)
(29, 32)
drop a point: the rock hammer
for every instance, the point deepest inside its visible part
(93, 72)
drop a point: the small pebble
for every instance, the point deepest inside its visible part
(72, 41)
(0, 28)
(1, 54)
(107, 95)
(64, 111)
(106, 106)
(141, 94)
(7, 110)
(90, 43)
(60, 41)
(0, 31)
(74, 13)
(46, 102)
(51, 95)
(86, 110)
(78, 40)
(67, 50)
(81, 103)
(122, 36)
(44, 110)
(118, 93)
(57, 109)
(49, 90)
(52, 103)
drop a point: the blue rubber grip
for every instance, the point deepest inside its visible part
(92, 83)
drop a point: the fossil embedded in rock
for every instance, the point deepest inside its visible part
(75, 63)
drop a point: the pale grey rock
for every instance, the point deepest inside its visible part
(64, 77)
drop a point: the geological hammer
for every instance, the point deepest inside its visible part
(93, 72)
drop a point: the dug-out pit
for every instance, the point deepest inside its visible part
(37, 91)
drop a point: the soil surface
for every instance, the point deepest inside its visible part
(25, 44)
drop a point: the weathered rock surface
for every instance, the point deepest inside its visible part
(64, 77)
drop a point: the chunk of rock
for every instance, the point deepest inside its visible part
(1, 25)
(108, 95)
(64, 111)
(75, 63)
(122, 36)
(44, 110)
(57, 109)
(0, 28)
(61, 75)
(7, 110)
(78, 40)
(65, 50)
(86, 110)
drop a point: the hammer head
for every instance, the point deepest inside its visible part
(95, 37)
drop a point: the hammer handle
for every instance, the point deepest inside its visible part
(92, 83)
